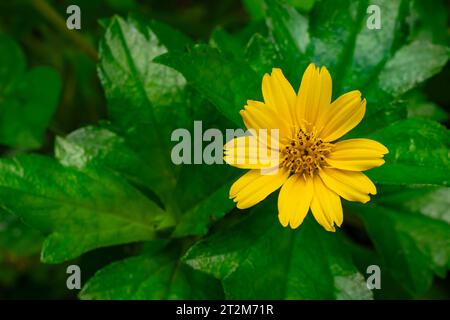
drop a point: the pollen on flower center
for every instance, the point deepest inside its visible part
(305, 153)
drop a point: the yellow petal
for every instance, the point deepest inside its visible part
(326, 206)
(294, 200)
(343, 115)
(350, 185)
(314, 95)
(257, 115)
(357, 154)
(358, 146)
(253, 187)
(355, 165)
(248, 152)
(279, 95)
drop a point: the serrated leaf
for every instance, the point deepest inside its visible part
(255, 253)
(28, 99)
(157, 275)
(80, 211)
(143, 97)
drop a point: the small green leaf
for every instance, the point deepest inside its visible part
(256, 253)
(80, 211)
(157, 275)
(27, 99)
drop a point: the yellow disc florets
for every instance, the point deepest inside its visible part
(305, 153)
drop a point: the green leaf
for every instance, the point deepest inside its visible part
(418, 153)
(256, 253)
(333, 28)
(427, 20)
(27, 99)
(412, 65)
(289, 30)
(146, 102)
(80, 211)
(432, 202)
(413, 246)
(145, 99)
(228, 92)
(260, 55)
(257, 8)
(211, 207)
(101, 147)
(377, 117)
(226, 43)
(373, 47)
(157, 275)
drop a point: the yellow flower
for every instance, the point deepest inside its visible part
(312, 171)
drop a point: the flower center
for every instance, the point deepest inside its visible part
(305, 153)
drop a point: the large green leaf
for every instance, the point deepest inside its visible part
(79, 211)
(145, 100)
(154, 275)
(28, 99)
(256, 253)
(418, 153)
(411, 236)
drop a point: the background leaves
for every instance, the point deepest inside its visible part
(28, 98)
(105, 194)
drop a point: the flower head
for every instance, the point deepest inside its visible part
(312, 170)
